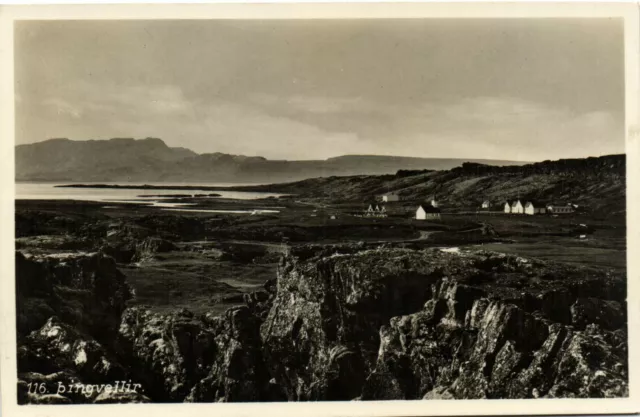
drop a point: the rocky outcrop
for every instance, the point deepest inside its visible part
(169, 351)
(238, 372)
(322, 333)
(85, 290)
(203, 358)
(147, 248)
(46, 243)
(339, 323)
(68, 308)
(404, 324)
(58, 346)
(129, 243)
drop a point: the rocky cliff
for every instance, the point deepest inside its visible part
(68, 309)
(402, 324)
(85, 290)
(344, 323)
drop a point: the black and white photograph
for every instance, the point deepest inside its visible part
(278, 210)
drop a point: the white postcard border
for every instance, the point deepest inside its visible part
(627, 11)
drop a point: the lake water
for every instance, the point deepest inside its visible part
(49, 191)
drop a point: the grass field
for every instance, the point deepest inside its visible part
(222, 256)
(192, 280)
(564, 252)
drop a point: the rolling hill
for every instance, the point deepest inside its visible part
(597, 183)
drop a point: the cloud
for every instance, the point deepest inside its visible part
(158, 100)
(214, 125)
(491, 127)
(533, 90)
(312, 104)
(512, 128)
(62, 107)
(239, 128)
(318, 127)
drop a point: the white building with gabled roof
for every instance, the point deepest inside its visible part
(534, 207)
(516, 207)
(426, 212)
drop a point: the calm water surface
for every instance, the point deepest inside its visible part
(49, 191)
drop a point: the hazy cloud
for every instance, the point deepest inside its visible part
(61, 107)
(520, 89)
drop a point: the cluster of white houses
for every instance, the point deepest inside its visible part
(533, 207)
(431, 210)
(375, 210)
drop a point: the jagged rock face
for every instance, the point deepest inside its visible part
(82, 289)
(200, 358)
(147, 248)
(321, 336)
(130, 249)
(487, 326)
(238, 372)
(171, 351)
(77, 369)
(68, 307)
(340, 323)
(59, 346)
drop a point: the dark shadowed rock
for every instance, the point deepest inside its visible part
(32, 386)
(82, 289)
(589, 367)
(147, 248)
(200, 358)
(68, 310)
(606, 313)
(47, 399)
(238, 372)
(161, 346)
(117, 397)
(404, 324)
(340, 323)
(58, 346)
(337, 304)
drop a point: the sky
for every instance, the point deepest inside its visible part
(510, 89)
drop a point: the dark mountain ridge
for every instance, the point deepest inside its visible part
(150, 159)
(60, 159)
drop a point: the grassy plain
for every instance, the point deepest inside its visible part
(220, 256)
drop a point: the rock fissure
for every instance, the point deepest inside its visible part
(365, 324)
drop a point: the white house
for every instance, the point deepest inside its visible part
(507, 207)
(369, 211)
(516, 207)
(560, 209)
(427, 213)
(486, 204)
(375, 210)
(533, 207)
(390, 197)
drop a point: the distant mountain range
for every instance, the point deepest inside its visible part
(151, 160)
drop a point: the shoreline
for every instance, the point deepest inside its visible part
(146, 187)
